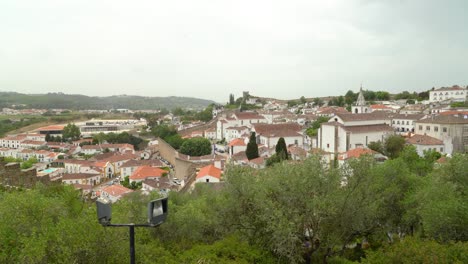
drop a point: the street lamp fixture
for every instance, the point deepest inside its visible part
(157, 214)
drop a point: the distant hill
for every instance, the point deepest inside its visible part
(78, 102)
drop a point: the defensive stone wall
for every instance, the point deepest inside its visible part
(167, 152)
(11, 174)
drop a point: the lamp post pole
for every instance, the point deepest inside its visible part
(131, 229)
(132, 244)
(157, 213)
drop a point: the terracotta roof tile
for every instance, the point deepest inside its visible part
(368, 128)
(248, 115)
(144, 172)
(453, 88)
(237, 142)
(423, 140)
(278, 130)
(379, 115)
(51, 128)
(356, 153)
(116, 190)
(444, 119)
(209, 170)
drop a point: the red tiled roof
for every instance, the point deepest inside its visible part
(380, 106)
(237, 142)
(33, 142)
(51, 128)
(368, 128)
(444, 119)
(248, 115)
(18, 137)
(258, 161)
(120, 157)
(101, 164)
(423, 140)
(240, 128)
(278, 130)
(104, 146)
(116, 190)
(137, 163)
(454, 112)
(356, 153)
(239, 156)
(209, 170)
(331, 110)
(407, 116)
(160, 183)
(453, 88)
(144, 172)
(295, 150)
(379, 115)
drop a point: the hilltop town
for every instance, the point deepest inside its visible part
(90, 155)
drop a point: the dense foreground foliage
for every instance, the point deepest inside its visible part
(401, 211)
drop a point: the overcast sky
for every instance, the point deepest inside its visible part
(209, 49)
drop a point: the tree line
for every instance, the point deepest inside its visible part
(365, 212)
(197, 146)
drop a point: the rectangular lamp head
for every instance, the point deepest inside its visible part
(104, 211)
(157, 211)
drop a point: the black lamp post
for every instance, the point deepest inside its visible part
(157, 214)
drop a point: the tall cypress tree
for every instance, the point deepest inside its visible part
(252, 148)
(281, 149)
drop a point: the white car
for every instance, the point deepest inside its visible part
(176, 181)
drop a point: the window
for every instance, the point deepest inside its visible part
(398, 122)
(436, 128)
(441, 149)
(428, 128)
(393, 122)
(420, 127)
(444, 129)
(328, 145)
(407, 122)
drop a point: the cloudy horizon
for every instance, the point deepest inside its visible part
(209, 49)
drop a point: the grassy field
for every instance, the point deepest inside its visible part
(34, 122)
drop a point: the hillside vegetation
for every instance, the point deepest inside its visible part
(287, 213)
(78, 102)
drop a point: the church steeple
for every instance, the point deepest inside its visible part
(360, 100)
(361, 105)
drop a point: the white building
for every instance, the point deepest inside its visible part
(455, 93)
(231, 133)
(451, 129)
(269, 134)
(237, 120)
(425, 143)
(209, 174)
(404, 123)
(347, 131)
(81, 178)
(237, 145)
